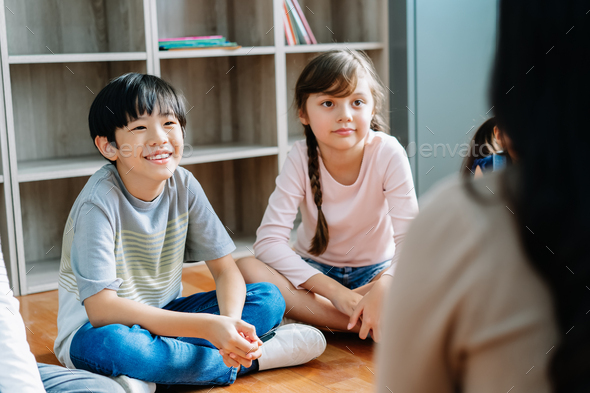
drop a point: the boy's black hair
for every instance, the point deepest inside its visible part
(129, 96)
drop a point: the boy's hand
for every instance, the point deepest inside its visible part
(370, 309)
(346, 301)
(237, 341)
(232, 360)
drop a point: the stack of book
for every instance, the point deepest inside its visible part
(208, 42)
(297, 30)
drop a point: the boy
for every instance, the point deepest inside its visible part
(130, 230)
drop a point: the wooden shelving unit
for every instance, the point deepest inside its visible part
(56, 55)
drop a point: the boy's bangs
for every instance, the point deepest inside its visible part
(152, 99)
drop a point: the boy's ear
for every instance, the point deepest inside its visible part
(303, 118)
(106, 148)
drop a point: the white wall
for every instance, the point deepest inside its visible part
(451, 45)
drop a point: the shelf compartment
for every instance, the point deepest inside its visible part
(248, 23)
(42, 275)
(331, 21)
(241, 198)
(228, 99)
(50, 121)
(61, 168)
(45, 206)
(76, 57)
(193, 53)
(74, 26)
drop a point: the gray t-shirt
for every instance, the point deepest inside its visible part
(113, 240)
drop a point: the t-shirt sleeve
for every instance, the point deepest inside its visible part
(398, 187)
(272, 238)
(207, 238)
(93, 252)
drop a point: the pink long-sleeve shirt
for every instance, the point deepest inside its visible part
(367, 221)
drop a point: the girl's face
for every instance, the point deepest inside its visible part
(340, 123)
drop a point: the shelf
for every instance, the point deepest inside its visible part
(42, 275)
(266, 50)
(76, 58)
(336, 45)
(227, 151)
(60, 168)
(194, 53)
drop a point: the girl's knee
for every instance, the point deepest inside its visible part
(248, 268)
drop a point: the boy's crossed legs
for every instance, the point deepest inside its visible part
(120, 350)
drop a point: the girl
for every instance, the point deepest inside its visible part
(486, 152)
(354, 188)
(490, 151)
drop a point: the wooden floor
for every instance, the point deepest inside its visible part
(346, 365)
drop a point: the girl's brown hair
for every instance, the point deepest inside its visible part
(334, 73)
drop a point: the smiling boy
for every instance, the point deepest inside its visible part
(131, 228)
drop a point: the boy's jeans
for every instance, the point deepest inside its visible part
(117, 349)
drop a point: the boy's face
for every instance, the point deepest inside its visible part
(148, 151)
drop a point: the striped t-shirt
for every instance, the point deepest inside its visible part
(113, 240)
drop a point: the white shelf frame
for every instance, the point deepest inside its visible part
(77, 57)
(16, 173)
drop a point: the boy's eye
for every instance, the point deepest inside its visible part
(358, 102)
(139, 128)
(328, 104)
(169, 123)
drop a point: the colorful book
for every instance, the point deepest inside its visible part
(301, 33)
(304, 21)
(290, 36)
(195, 42)
(204, 37)
(293, 23)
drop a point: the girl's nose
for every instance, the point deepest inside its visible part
(345, 115)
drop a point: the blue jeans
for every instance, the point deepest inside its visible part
(135, 352)
(59, 379)
(350, 277)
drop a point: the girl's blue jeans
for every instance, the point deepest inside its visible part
(133, 351)
(350, 277)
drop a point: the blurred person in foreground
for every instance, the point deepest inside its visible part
(491, 293)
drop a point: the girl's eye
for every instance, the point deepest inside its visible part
(139, 128)
(358, 102)
(169, 123)
(328, 104)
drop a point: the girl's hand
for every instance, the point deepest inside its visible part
(237, 341)
(370, 308)
(346, 301)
